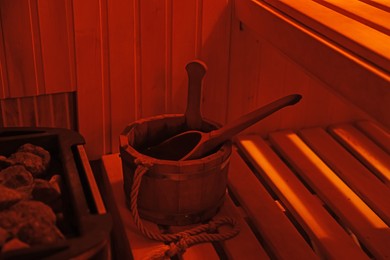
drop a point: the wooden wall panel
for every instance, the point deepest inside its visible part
(57, 45)
(216, 20)
(131, 58)
(3, 68)
(24, 74)
(153, 41)
(29, 117)
(186, 44)
(123, 60)
(260, 73)
(10, 112)
(55, 110)
(37, 47)
(92, 75)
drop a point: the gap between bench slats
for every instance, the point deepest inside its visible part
(245, 245)
(322, 228)
(280, 236)
(376, 159)
(350, 170)
(380, 136)
(351, 210)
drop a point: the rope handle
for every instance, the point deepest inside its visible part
(179, 242)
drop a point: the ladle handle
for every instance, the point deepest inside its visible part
(196, 70)
(219, 136)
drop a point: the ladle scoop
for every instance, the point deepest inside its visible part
(195, 144)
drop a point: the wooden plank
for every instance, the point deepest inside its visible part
(215, 38)
(91, 76)
(10, 112)
(335, 67)
(37, 47)
(3, 67)
(61, 110)
(19, 47)
(71, 98)
(45, 111)
(361, 12)
(352, 211)
(153, 47)
(122, 67)
(381, 4)
(53, 28)
(245, 245)
(377, 160)
(185, 27)
(245, 52)
(2, 123)
(306, 208)
(350, 170)
(278, 233)
(28, 111)
(379, 135)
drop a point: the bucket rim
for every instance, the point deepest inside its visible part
(224, 152)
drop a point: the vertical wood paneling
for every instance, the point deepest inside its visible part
(60, 102)
(105, 77)
(10, 112)
(122, 41)
(53, 26)
(27, 108)
(271, 83)
(244, 76)
(168, 54)
(45, 112)
(37, 49)
(3, 68)
(184, 37)
(90, 98)
(216, 20)
(57, 110)
(19, 47)
(153, 63)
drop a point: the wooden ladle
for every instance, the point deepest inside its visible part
(194, 144)
(196, 70)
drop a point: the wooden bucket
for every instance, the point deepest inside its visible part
(173, 192)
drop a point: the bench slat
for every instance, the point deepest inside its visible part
(356, 175)
(381, 4)
(245, 245)
(379, 135)
(303, 205)
(377, 160)
(352, 211)
(362, 12)
(278, 232)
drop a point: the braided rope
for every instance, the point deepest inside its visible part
(180, 241)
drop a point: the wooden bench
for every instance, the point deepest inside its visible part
(317, 193)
